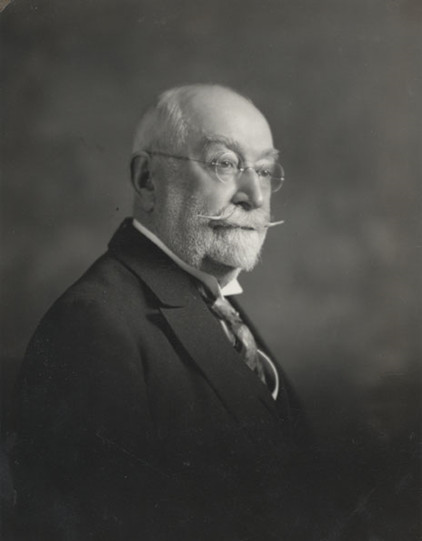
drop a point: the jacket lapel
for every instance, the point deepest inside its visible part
(236, 385)
(201, 334)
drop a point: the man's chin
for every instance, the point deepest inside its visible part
(243, 262)
(238, 249)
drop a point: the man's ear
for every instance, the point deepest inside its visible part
(140, 171)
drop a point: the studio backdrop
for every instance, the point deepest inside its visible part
(336, 293)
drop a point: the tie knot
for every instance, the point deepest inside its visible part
(225, 310)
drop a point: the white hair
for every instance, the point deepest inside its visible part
(164, 125)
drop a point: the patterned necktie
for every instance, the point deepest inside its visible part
(240, 335)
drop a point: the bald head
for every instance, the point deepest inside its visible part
(215, 113)
(179, 112)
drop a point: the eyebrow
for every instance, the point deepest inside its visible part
(210, 140)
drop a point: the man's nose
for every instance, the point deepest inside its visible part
(249, 193)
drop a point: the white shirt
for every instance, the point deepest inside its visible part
(232, 288)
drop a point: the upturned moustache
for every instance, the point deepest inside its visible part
(235, 218)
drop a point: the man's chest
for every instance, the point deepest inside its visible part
(201, 395)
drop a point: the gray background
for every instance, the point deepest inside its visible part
(336, 294)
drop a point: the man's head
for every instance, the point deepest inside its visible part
(183, 148)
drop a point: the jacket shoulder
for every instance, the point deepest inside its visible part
(97, 321)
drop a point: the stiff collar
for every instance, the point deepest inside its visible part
(232, 288)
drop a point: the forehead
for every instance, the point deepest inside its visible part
(218, 116)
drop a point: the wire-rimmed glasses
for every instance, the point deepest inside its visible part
(228, 168)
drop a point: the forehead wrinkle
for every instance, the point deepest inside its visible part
(209, 140)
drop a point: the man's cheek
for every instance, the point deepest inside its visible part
(215, 198)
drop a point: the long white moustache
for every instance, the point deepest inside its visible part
(225, 216)
(272, 224)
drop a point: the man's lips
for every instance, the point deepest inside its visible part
(225, 225)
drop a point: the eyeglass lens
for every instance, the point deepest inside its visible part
(272, 173)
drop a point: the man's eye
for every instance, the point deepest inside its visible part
(226, 164)
(265, 172)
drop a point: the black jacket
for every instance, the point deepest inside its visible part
(137, 420)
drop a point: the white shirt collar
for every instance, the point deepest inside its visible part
(232, 288)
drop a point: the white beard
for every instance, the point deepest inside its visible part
(195, 241)
(236, 248)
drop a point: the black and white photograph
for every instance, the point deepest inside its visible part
(210, 270)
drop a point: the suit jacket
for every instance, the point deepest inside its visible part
(136, 418)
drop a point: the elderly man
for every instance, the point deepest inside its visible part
(148, 407)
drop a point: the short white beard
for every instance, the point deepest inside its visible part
(236, 248)
(195, 242)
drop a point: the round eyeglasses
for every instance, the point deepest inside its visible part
(227, 168)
